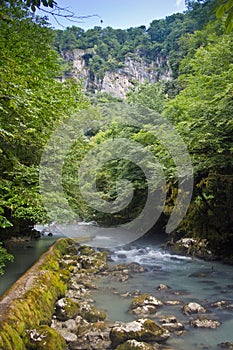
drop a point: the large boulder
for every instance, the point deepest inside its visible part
(140, 330)
(193, 247)
(135, 267)
(93, 263)
(44, 338)
(66, 308)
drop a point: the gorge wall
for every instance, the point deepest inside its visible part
(118, 82)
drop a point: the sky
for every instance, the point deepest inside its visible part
(117, 13)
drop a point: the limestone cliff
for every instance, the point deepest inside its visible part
(136, 69)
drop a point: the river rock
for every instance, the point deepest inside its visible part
(205, 323)
(90, 260)
(85, 250)
(135, 345)
(222, 304)
(172, 302)
(68, 336)
(91, 314)
(170, 323)
(145, 299)
(145, 304)
(66, 309)
(70, 325)
(124, 278)
(226, 345)
(94, 263)
(122, 256)
(140, 330)
(163, 287)
(44, 337)
(191, 246)
(135, 267)
(193, 308)
(93, 336)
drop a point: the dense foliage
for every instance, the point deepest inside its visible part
(198, 101)
(203, 115)
(107, 48)
(32, 102)
(225, 7)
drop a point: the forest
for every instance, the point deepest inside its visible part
(197, 101)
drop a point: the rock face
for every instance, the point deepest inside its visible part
(117, 82)
(140, 330)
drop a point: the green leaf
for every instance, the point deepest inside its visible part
(220, 11)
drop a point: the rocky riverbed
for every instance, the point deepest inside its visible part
(56, 307)
(85, 327)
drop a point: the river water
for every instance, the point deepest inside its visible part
(25, 254)
(190, 280)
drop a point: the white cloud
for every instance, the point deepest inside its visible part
(178, 3)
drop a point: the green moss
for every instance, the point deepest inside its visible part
(36, 305)
(85, 250)
(10, 339)
(140, 330)
(64, 275)
(91, 314)
(94, 262)
(134, 345)
(66, 308)
(44, 338)
(5, 341)
(139, 300)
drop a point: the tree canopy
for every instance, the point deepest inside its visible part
(34, 100)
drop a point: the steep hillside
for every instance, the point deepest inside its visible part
(114, 60)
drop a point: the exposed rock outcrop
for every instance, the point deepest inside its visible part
(136, 69)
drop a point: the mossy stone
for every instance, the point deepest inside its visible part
(134, 345)
(44, 338)
(145, 299)
(85, 250)
(140, 330)
(66, 309)
(10, 339)
(91, 314)
(93, 263)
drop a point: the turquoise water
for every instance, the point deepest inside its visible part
(25, 254)
(190, 280)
